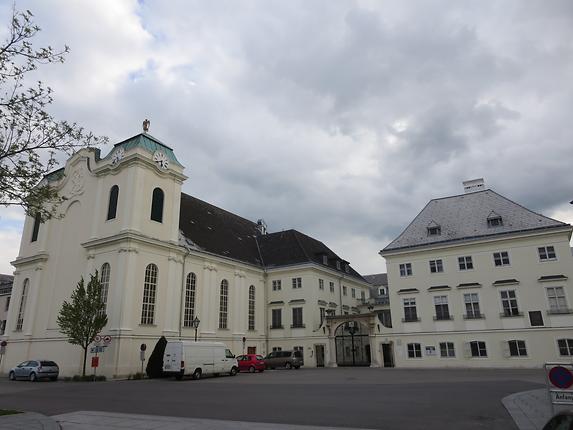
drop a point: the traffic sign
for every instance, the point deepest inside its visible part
(97, 339)
(560, 377)
(98, 348)
(95, 361)
(107, 339)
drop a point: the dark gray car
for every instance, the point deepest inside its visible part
(34, 370)
(288, 359)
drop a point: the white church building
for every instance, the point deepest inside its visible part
(164, 258)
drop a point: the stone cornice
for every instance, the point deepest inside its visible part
(139, 160)
(33, 259)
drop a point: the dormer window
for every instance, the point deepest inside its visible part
(325, 260)
(494, 220)
(338, 265)
(434, 229)
(347, 268)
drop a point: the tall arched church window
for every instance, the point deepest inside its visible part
(112, 206)
(104, 281)
(22, 308)
(157, 205)
(36, 229)
(224, 304)
(149, 293)
(189, 313)
(252, 307)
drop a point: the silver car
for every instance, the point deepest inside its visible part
(34, 370)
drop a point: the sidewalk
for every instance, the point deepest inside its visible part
(27, 421)
(90, 420)
(529, 409)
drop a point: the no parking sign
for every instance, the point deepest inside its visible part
(560, 383)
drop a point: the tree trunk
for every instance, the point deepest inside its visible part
(85, 357)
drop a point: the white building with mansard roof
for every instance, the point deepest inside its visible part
(477, 280)
(164, 258)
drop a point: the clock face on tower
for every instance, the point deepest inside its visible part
(117, 156)
(161, 160)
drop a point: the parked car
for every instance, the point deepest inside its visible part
(287, 359)
(251, 362)
(34, 370)
(197, 359)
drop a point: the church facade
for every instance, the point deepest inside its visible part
(165, 258)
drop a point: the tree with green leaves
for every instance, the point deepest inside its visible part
(30, 138)
(84, 316)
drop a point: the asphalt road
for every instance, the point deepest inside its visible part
(343, 397)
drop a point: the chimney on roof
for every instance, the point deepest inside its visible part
(261, 227)
(473, 185)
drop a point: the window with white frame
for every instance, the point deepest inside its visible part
(223, 304)
(331, 284)
(557, 300)
(297, 318)
(478, 349)
(465, 263)
(277, 348)
(190, 290)
(442, 309)
(251, 307)
(321, 284)
(546, 253)
(149, 294)
(22, 309)
(414, 350)
(509, 303)
(276, 318)
(410, 313)
(362, 295)
(517, 348)
(436, 266)
(104, 282)
(382, 291)
(565, 347)
(353, 293)
(344, 290)
(296, 283)
(277, 285)
(322, 312)
(447, 349)
(471, 302)
(406, 269)
(501, 258)
(435, 230)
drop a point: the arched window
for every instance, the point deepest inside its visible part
(22, 309)
(112, 206)
(36, 229)
(189, 313)
(104, 281)
(149, 292)
(223, 304)
(157, 205)
(252, 307)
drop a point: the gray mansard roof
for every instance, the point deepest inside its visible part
(465, 217)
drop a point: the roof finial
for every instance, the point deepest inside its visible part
(146, 124)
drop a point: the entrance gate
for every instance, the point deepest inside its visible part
(352, 345)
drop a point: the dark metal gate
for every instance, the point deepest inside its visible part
(352, 345)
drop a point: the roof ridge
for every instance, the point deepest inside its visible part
(527, 209)
(300, 244)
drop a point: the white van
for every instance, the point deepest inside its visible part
(183, 358)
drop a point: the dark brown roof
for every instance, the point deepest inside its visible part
(220, 232)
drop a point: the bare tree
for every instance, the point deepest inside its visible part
(30, 137)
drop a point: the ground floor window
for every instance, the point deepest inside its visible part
(517, 348)
(414, 350)
(277, 348)
(565, 347)
(478, 349)
(447, 349)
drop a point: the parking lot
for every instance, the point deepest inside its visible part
(343, 397)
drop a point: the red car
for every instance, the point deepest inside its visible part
(251, 362)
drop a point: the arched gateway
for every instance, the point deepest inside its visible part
(352, 344)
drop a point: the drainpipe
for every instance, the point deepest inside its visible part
(181, 300)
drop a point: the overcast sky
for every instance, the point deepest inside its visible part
(340, 119)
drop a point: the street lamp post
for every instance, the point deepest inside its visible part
(195, 325)
(352, 329)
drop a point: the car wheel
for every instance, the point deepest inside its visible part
(197, 374)
(33, 377)
(12, 376)
(288, 365)
(252, 369)
(234, 371)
